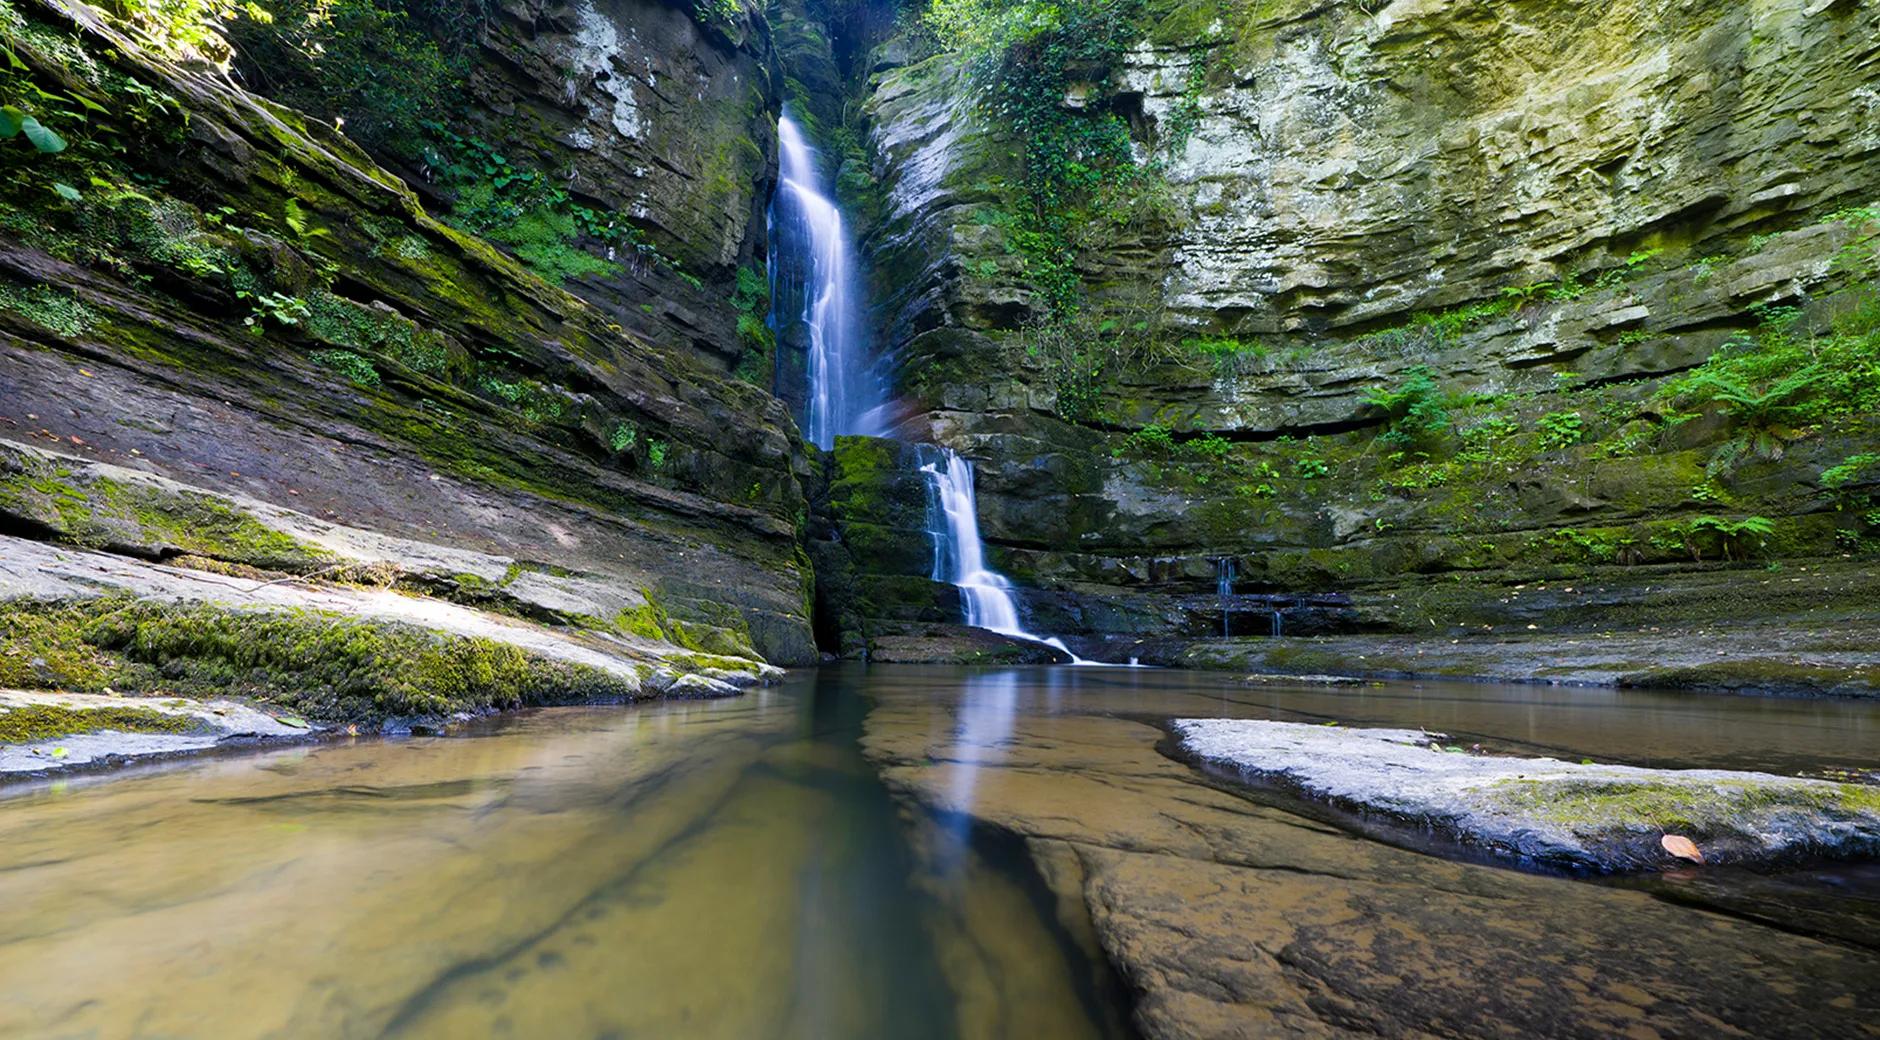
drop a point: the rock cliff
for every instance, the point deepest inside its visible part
(230, 340)
(1394, 301)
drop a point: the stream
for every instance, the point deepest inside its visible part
(804, 861)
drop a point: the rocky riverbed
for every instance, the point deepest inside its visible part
(1231, 914)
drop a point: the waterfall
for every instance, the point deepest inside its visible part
(1225, 571)
(808, 237)
(959, 554)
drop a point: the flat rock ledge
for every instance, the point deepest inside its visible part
(196, 726)
(1586, 817)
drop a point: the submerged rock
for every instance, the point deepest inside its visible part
(1583, 816)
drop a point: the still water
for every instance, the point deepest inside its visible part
(731, 868)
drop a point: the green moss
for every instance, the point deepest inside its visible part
(87, 509)
(1700, 809)
(48, 308)
(727, 635)
(41, 648)
(29, 723)
(342, 323)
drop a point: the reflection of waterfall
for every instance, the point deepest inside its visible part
(987, 705)
(959, 554)
(808, 239)
(1225, 571)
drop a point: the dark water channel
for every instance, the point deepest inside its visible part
(694, 869)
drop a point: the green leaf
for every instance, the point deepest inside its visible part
(66, 191)
(41, 136)
(89, 103)
(58, 752)
(10, 120)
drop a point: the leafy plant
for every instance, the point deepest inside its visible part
(1562, 429)
(1311, 469)
(278, 307)
(1418, 414)
(1736, 539)
(16, 123)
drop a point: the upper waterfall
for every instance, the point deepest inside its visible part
(813, 265)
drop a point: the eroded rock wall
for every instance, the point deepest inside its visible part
(1554, 208)
(240, 303)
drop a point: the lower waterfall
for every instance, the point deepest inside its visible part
(959, 554)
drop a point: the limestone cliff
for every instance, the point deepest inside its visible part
(1538, 219)
(230, 340)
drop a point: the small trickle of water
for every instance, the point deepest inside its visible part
(809, 239)
(1225, 571)
(959, 554)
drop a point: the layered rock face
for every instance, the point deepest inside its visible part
(1550, 211)
(230, 340)
(654, 115)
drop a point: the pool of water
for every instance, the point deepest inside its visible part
(732, 868)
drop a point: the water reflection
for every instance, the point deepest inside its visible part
(714, 869)
(986, 705)
(731, 868)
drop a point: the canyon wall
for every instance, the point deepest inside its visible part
(232, 343)
(1538, 216)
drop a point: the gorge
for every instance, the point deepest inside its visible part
(600, 498)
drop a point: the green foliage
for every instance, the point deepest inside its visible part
(369, 64)
(538, 404)
(341, 322)
(356, 369)
(1849, 470)
(1786, 380)
(16, 123)
(1417, 411)
(1230, 356)
(751, 297)
(620, 439)
(48, 308)
(1735, 539)
(1312, 469)
(196, 24)
(282, 309)
(1562, 429)
(531, 213)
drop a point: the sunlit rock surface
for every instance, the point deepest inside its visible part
(1602, 817)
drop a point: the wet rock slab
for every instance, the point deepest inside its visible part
(1579, 815)
(202, 725)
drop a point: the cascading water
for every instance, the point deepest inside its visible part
(809, 241)
(959, 554)
(1225, 571)
(812, 263)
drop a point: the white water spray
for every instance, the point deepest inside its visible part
(845, 394)
(959, 554)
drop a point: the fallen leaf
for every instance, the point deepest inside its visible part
(84, 372)
(1681, 847)
(58, 752)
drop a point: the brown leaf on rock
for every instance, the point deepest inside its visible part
(1682, 847)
